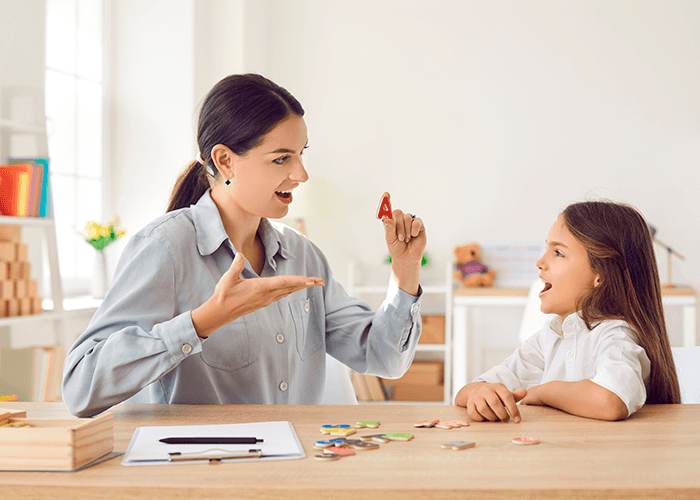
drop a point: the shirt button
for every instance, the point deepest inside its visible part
(283, 386)
(306, 307)
(414, 309)
(570, 353)
(186, 348)
(280, 338)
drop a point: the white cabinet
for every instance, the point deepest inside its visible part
(355, 288)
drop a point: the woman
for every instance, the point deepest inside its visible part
(213, 303)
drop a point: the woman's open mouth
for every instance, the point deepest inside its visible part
(547, 286)
(284, 196)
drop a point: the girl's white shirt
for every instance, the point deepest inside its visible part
(608, 355)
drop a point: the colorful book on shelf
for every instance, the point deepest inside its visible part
(24, 187)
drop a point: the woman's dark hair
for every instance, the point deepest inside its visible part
(619, 246)
(237, 113)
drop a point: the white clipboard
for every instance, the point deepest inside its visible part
(279, 442)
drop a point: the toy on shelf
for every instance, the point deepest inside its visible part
(469, 271)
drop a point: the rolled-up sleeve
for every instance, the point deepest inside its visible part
(136, 336)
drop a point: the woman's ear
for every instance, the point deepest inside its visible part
(596, 282)
(223, 157)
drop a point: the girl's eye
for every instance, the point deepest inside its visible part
(558, 253)
(280, 161)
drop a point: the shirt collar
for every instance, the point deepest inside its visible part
(210, 232)
(567, 325)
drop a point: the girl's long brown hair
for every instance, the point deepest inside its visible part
(621, 252)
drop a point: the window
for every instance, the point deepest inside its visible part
(75, 104)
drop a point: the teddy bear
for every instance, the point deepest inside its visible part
(469, 271)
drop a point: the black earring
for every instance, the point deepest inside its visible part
(228, 181)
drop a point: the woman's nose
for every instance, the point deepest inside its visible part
(299, 173)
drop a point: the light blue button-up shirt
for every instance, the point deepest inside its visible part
(141, 340)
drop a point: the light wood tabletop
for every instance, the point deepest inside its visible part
(654, 454)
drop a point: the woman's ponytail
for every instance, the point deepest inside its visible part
(189, 186)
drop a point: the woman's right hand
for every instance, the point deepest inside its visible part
(235, 297)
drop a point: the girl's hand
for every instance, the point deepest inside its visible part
(235, 297)
(492, 402)
(406, 240)
(534, 396)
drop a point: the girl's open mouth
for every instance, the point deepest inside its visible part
(547, 286)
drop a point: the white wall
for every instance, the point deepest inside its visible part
(484, 118)
(151, 107)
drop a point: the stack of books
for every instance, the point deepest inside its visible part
(24, 188)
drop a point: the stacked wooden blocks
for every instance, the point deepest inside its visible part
(18, 292)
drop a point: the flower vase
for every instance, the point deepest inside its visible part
(98, 286)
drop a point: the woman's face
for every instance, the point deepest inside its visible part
(263, 179)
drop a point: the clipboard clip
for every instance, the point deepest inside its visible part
(213, 457)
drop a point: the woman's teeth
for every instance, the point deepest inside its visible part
(284, 194)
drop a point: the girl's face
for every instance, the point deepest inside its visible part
(262, 180)
(565, 270)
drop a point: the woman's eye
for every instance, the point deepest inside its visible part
(280, 161)
(558, 253)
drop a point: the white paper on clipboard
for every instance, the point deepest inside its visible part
(280, 442)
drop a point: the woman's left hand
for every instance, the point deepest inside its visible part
(406, 240)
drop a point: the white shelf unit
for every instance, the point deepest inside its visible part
(445, 349)
(34, 126)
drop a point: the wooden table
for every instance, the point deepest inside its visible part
(654, 454)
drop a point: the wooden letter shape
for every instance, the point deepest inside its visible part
(384, 207)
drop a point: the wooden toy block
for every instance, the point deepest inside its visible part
(326, 429)
(14, 271)
(327, 457)
(526, 440)
(9, 308)
(398, 437)
(342, 432)
(37, 308)
(364, 446)
(458, 445)
(32, 288)
(384, 207)
(22, 252)
(20, 289)
(343, 452)
(25, 306)
(10, 233)
(375, 438)
(7, 251)
(452, 424)
(372, 424)
(55, 444)
(25, 269)
(427, 423)
(7, 290)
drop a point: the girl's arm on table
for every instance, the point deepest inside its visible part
(583, 398)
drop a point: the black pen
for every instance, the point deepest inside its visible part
(211, 440)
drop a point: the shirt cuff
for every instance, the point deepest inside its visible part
(182, 340)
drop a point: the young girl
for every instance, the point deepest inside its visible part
(211, 303)
(606, 351)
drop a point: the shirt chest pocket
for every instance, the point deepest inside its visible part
(309, 339)
(233, 346)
